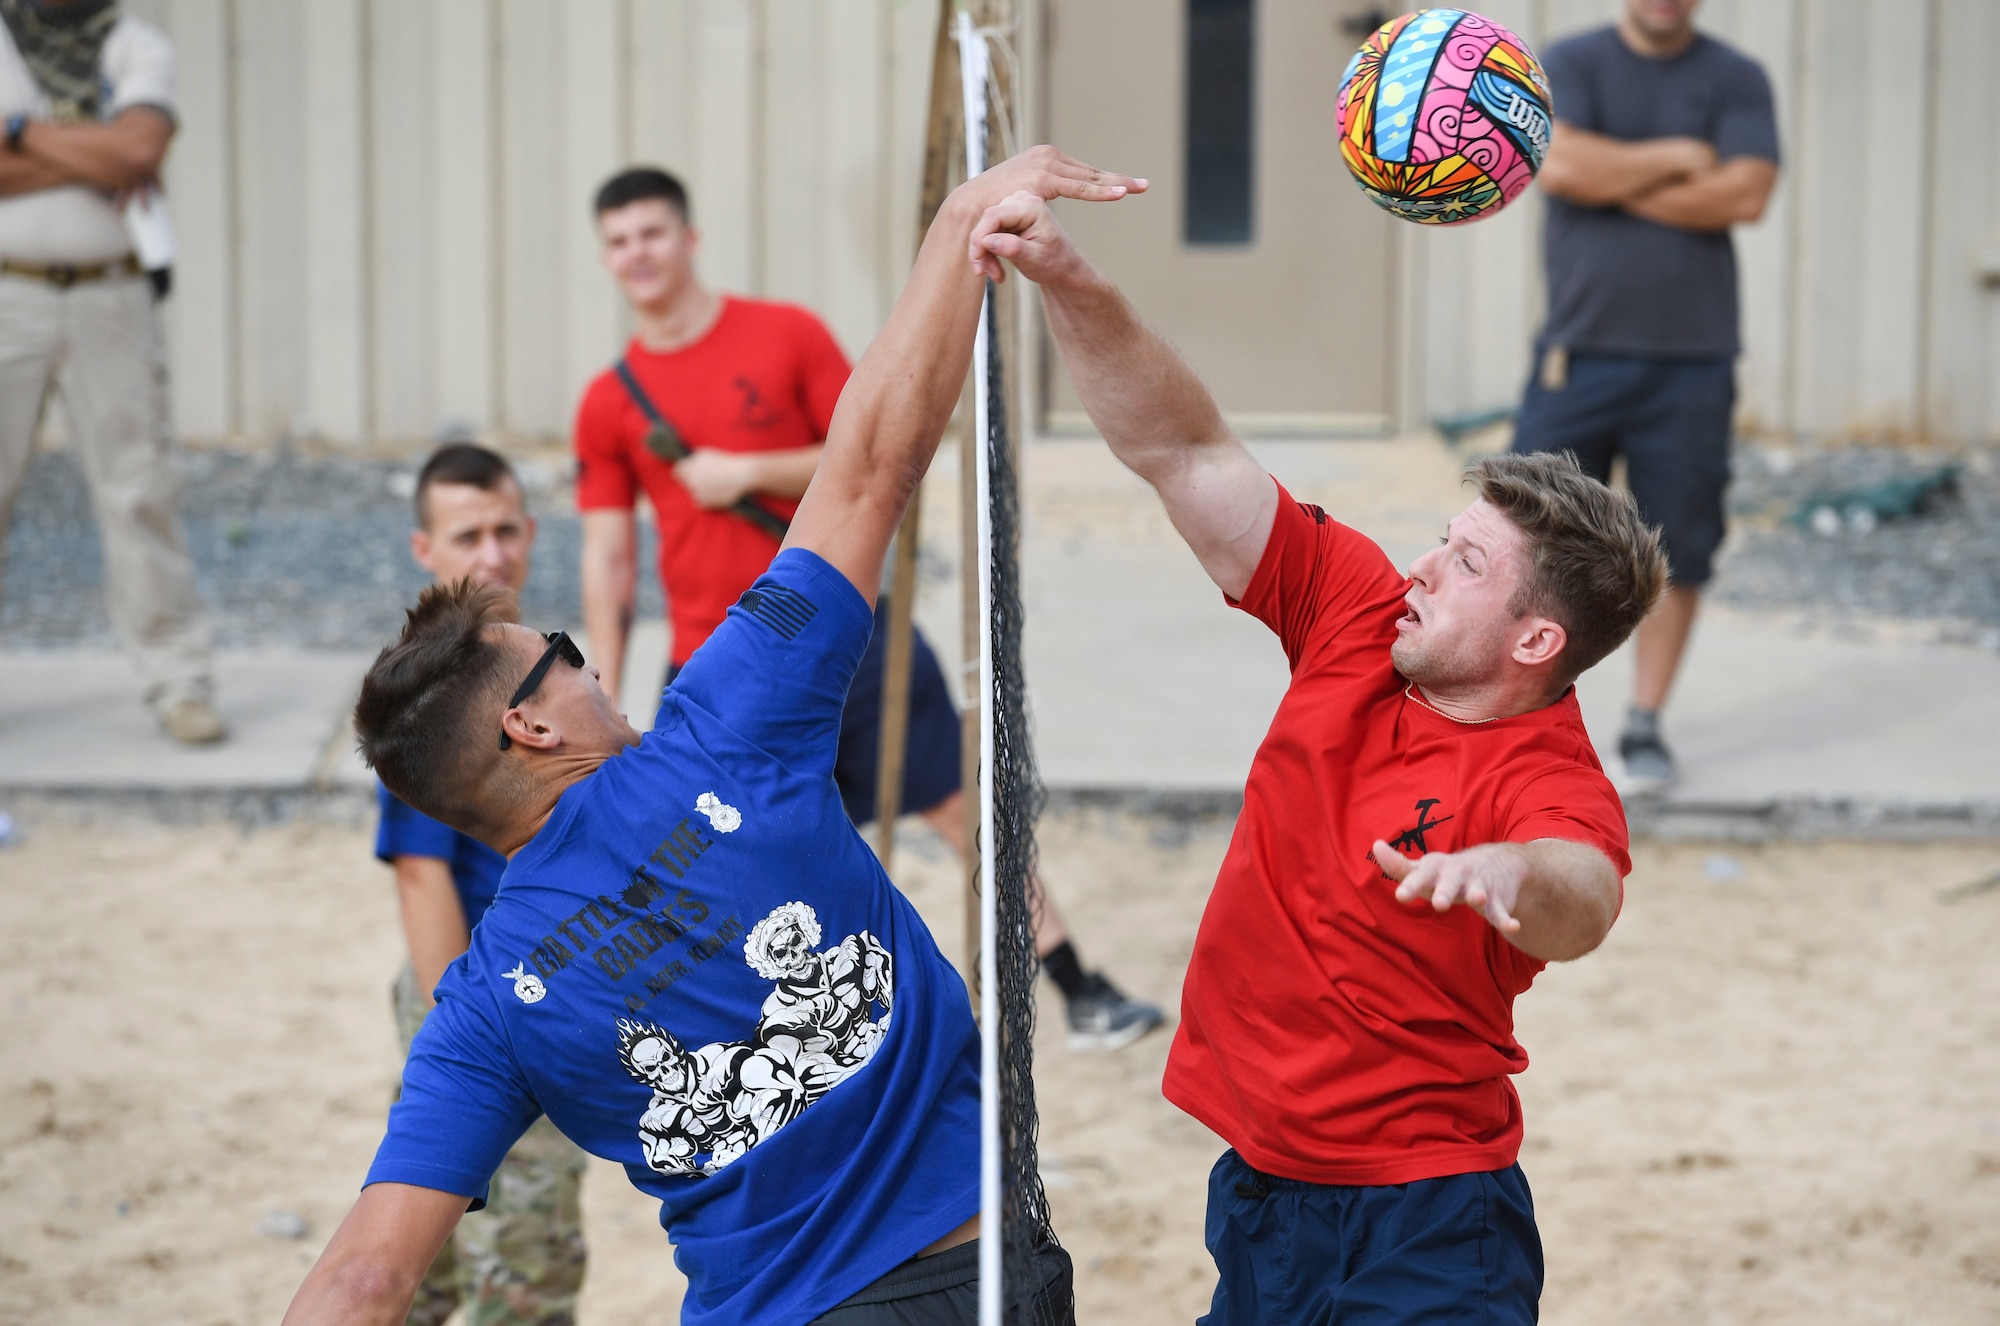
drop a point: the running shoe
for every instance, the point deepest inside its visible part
(1649, 765)
(1103, 1017)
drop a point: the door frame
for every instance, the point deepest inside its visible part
(1404, 389)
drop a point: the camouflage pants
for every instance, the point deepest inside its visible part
(520, 1261)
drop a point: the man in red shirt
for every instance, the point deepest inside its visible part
(718, 413)
(1423, 828)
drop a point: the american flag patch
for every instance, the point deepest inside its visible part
(784, 610)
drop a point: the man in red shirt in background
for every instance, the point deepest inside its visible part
(718, 413)
(1423, 828)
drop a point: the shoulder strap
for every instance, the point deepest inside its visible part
(748, 509)
(638, 393)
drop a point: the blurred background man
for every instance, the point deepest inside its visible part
(1664, 139)
(87, 97)
(520, 1262)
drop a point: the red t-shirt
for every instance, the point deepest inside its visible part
(764, 378)
(1328, 1032)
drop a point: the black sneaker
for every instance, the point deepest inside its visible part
(1649, 765)
(1104, 1018)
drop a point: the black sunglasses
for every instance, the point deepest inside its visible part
(560, 646)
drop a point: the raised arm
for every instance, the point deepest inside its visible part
(372, 1266)
(1714, 199)
(1153, 411)
(1596, 170)
(895, 406)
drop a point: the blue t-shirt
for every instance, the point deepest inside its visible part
(475, 867)
(699, 970)
(1622, 285)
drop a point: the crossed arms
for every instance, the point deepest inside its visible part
(1674, 181)
(114, 157)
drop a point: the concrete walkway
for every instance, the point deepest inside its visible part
(1143, 681)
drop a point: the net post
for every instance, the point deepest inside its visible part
(894, 735)
(972, 64)
(893, 752)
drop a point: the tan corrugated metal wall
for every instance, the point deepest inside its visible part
(383, 203)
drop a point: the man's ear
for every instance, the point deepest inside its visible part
(528, 732)
(420, 549)
(1539, 642)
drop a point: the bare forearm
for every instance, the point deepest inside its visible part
(1144, 399)
(433, 918)
(785, 473)
(1594, 170)
(1160, 421)
(610, 578)
(894, 407)
(339, 1294)
(1733, 193)
(1567, 901)
(21, 174)
(123, 153)
(372, 1265)
(903, 391)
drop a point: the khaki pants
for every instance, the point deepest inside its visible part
(99, 344)
(520, 1261)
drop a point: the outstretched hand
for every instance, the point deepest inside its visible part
(1487, 879)
(1015, 196)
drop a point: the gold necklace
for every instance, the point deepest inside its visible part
(1410, 689)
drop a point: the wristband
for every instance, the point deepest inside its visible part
(16, 126)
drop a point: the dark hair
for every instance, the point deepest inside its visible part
(428, 699)
(636, 185)
(1596, 566)
(461, 462)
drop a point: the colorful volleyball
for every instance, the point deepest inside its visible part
(1444, 116)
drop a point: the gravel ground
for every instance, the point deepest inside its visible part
(1941, 567)
(311, 551)
(290, 550)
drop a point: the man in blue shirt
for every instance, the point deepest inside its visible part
(520, 1262)
(1664, 139)
(694, 965)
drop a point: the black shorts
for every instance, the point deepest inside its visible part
(931, 752)
(943, 1290)
(1669, 418)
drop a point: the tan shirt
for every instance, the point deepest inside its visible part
(75, 223)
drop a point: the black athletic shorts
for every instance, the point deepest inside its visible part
(930, 762)
(943, 1290)
(1669, 418)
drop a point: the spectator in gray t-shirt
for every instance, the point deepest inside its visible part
(1664, 139)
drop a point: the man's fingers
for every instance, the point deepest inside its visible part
(1450, 883)
(1394, 864)
(1497, 915)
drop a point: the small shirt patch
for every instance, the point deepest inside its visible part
(785, 611)
(722, 818)
(528, 987)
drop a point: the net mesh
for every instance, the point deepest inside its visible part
(1017, 802)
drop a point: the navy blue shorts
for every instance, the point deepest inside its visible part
(930, 762)
(1669, 418)
(1461, 1249)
